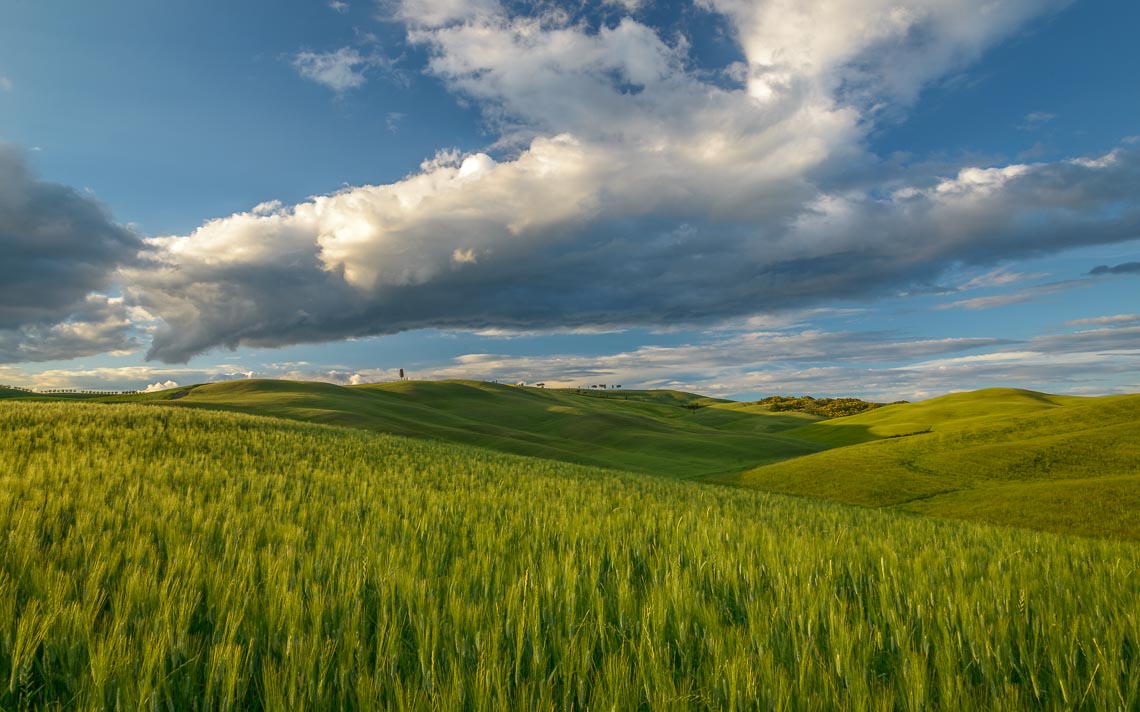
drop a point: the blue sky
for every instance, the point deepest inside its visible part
(891, 200)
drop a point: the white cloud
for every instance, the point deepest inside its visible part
(630, 6)
(437, 13)
(98, 325)
(868, 48)
(1036, 119)
(267, 208)
(393, 119)
(5, 83)
(340, 70)
(1114, 319)
(463, 257)
(105, 378)
(150, 379)
(725, 366)
(999, 278)
(339, 6)
(787, 359)
(1019, 297)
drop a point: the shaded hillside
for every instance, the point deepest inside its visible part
(649, 432)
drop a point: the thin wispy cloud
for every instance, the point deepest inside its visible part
(1123, 268)
(1000, 278)
(341, 70)
(1105, 320)
(1036, 119)
(393, 119)
(785, 359)
(1019, 297)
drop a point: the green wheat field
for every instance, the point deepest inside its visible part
(471, 546)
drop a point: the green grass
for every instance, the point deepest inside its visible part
(157, 557)
(1010, 457)
(955, 411)
(1055, 463)
(642, 431)
(661, 396)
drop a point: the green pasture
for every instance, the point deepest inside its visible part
(655, 432)
(1062, 464)
(176, 558)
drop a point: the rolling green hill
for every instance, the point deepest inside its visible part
(177, 558)
(655, 432)
(1005, 456)
(1057, 463)
(953, 411)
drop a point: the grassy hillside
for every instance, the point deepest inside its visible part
(954, 411)
(648, 431)
(1010, 457)
(1057, 463)
(182, 559)
(662, 396)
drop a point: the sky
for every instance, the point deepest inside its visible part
(889, 199)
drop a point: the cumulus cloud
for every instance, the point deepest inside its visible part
(868, 49)
(134, 377)
(628, 189)
(549, 239)
(60, 249)
(161, 386)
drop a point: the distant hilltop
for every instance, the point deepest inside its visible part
(826, 407)
(67, 391)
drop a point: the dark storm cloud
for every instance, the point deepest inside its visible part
(58, 247)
